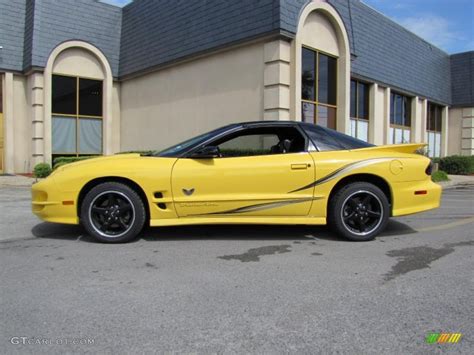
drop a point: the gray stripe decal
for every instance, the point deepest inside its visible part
(342, 171)
(262, 206)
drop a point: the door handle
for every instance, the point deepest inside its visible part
(299, 166)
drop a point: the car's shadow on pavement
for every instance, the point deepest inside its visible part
(216, 232)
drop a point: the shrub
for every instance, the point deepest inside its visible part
(439, 175)
(457, 165)
(60, 161)
(42, 170)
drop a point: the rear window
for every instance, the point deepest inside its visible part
(326, 139)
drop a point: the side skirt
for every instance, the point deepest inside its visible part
(237, 220)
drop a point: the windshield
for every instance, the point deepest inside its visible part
(183, 147)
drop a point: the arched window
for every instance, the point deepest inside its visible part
(77, 115)
(319, 88)
(322, 63)
(78, 101)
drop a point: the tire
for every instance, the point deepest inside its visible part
(113, 213)
(359, 211)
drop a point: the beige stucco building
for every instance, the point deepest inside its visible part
(118, 86)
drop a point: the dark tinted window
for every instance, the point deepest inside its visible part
(261, 141)
(326, 116)
(183, 147)
(90, 97)
(327, 73)
(353, 112)
(321, 139)
(64, 95)
(308, 112)
(308, 75)
(327, 139)
(348, 142)
(400, 110)
(363, 104)
(359, 100)
(433, 122)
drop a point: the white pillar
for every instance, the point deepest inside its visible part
(444, 131)
(424, 117)
(8, 124)
(467, 143)
(386, 116)
(276, 93)
(376, 115)
(36, 103)
(416, 121)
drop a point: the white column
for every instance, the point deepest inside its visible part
(8, 124)
(36, 103)
(376, 115)
(386, 116)
(276, 94)
(416, 121)
(467, 142)
(444, 131)
(424, 117)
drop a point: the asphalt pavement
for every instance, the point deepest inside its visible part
(237, 289)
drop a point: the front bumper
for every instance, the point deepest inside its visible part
(405, 201)
(51, 204)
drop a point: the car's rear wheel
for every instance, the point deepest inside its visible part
(359, 211)
(113, 213)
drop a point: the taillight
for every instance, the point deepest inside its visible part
(429, 168)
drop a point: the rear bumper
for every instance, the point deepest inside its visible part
(406, 201)
(52, 205)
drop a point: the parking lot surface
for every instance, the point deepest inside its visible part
(235, 289)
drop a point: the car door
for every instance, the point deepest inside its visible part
(250, 179)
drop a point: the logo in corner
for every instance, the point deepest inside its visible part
(443, 338)
(188, 192)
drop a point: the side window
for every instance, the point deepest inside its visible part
(323, 141)
(249, 145)
(261, 141)
(327, 139)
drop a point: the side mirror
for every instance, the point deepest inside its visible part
(208, 152)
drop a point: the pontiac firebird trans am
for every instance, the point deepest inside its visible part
(251, 173)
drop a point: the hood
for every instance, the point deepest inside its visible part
(399, 148)
(98, 160)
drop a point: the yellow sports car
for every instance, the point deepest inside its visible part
(253, 173)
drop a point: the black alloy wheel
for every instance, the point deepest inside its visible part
(359, 211)
(113, 212)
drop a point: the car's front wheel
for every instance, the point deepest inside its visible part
(359, 211)
(113, 213)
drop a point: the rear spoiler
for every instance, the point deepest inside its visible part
(399, 148)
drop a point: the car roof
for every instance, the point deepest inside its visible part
(267, 123)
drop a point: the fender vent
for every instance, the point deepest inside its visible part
(162, 206)
(158, 195)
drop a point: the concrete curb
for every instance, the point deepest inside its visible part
(454, 186)
(456, 181)
(16, 181)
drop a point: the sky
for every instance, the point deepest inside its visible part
(117, 2)
(448, 24)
